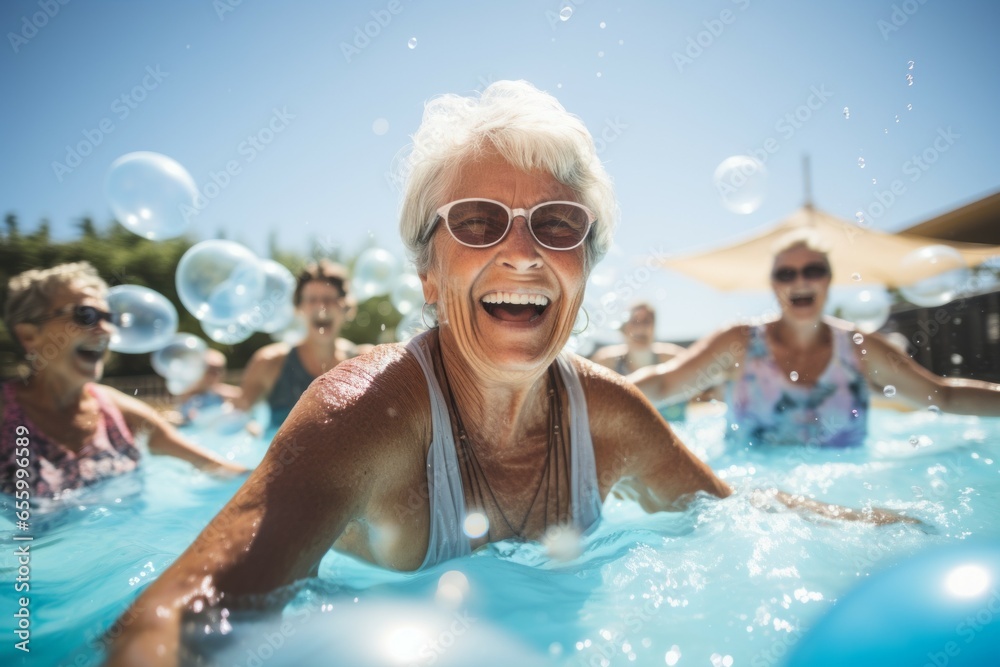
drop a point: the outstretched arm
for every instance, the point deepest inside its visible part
(165, 439)
(706, 364)
(917, 386)
(316, 477)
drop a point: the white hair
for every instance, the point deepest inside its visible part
(530, 130)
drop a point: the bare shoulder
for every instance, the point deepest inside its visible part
(663, 349)
(609, 395)
(380, 396)
(608, 353)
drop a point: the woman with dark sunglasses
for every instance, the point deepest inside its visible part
(481, 423)
(60, 430)
(805, 379)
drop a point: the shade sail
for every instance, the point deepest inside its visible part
(877, 257)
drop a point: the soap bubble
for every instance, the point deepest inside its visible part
(147, 319)
(858, 339)
(374, 273)
(889, 391)
(181, 362)
(408, 294)
(868, 309)
(946, 270)
(148, 193)
(219, 280)
(740, 181)
(565, 13)
(276, 310)
(227, 333)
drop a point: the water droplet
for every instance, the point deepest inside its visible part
(914, 440)
(621, 42)
(558, 85)
(858, 338)
(734, 427)
(847, 113)
(412, 43)
(909, 79)
(380, 126)
(600, 54)
(909, 107)
(889, 391)
(861, 162)
(909, 65)
(565, 13)
(856, 277)
(956, 359)
(933, 409)
(603, 25)
(886, 130)
(860, 217)
(598, 75)
(864, 351)
(897, 118)
(793, 376)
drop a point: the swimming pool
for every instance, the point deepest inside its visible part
(723, 583)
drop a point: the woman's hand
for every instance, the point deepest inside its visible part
(808, 508)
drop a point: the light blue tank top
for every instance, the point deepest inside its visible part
(446, 540)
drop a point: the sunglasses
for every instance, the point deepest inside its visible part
(481, 223)
(84, 316)
(814, 271)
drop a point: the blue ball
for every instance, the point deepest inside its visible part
(940, 607)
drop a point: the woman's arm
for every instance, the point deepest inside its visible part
(637, 451)
(706, 364)
(317, 476)
(917, 386)
(260, 375)
(165, 439)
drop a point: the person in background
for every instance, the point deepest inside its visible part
(804, 378)
(210, 391)
(279, 373)
(57, 422)
(639, 350)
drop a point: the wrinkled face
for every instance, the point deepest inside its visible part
(804, 297)
(61, 347)
(510, 306)
(640, 327)
(324, 308)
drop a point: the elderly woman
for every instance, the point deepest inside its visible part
(804, 379)
(60, 426)
(507, 210)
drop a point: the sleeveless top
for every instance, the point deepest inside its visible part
(767, 407)
(54, 468)
(446, 540)
(293, 380)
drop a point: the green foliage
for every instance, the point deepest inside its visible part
(122, 257)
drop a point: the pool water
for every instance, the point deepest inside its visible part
(724, 583)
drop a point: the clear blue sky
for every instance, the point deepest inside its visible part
(669, 122)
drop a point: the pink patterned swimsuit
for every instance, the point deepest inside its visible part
(54, 468)
(767, 408)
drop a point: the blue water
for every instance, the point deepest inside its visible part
(723, 583)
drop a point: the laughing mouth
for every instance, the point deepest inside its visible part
(92, 353)
(515, 306)
(802, 300)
